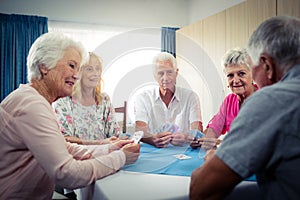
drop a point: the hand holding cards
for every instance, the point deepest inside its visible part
(173, 128)
(196, 134)
(132, 152)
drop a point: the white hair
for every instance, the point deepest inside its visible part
(47, 50)
(237, 56)
(278, 37)
(163, 56)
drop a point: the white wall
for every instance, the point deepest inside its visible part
(200, 9)
(138, 13)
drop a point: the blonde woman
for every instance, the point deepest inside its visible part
(88, 116)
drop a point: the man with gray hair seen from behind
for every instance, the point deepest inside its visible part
(167, 113)
(268, 125)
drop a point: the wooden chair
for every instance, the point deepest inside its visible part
(123, 110)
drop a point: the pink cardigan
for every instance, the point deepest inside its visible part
(229, 109)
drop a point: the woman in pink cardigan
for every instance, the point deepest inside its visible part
(34, 154)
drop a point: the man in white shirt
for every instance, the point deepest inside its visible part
(167, 113)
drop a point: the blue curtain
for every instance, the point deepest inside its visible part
(168, 40)
(17, 32)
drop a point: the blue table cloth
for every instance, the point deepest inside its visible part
(163, 161)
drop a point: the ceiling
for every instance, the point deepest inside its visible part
(133, 13)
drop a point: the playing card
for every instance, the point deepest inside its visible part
(182, 156)
(171, 128)
(167, 128)
(137, 136)
(196, 134)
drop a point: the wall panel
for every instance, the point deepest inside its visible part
(259, 10)
(214, 38)
(288, 7)
(237, 32)
(242, 20)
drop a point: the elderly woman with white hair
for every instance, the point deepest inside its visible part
(239, 79)
(34, 154)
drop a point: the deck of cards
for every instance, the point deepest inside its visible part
(173, 128)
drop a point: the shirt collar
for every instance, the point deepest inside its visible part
(176, 94)
(294, 72)
(157, 97)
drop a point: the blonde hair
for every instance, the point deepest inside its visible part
(98, 88)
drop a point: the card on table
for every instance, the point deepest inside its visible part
(182, 156)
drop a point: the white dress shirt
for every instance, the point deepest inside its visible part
(183, 109)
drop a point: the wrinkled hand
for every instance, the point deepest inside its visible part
(110, 140)
(179, 139)
(113, 139)
(119, 144)
(80, 152)
(132, 152)
(162, 139)
(195, 144)
(209, 154)
(209, 143)
(124, 137)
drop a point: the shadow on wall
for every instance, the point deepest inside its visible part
(127, 69)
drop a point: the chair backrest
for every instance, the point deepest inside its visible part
(123, 110)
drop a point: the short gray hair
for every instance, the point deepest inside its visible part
(278, 37)
(47, 50)
(163, 56)
(235, 56)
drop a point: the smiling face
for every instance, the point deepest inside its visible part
(61, 79)
(239, 79)
(166, 76)
(91, 73)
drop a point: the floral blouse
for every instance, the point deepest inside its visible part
(94, 122)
